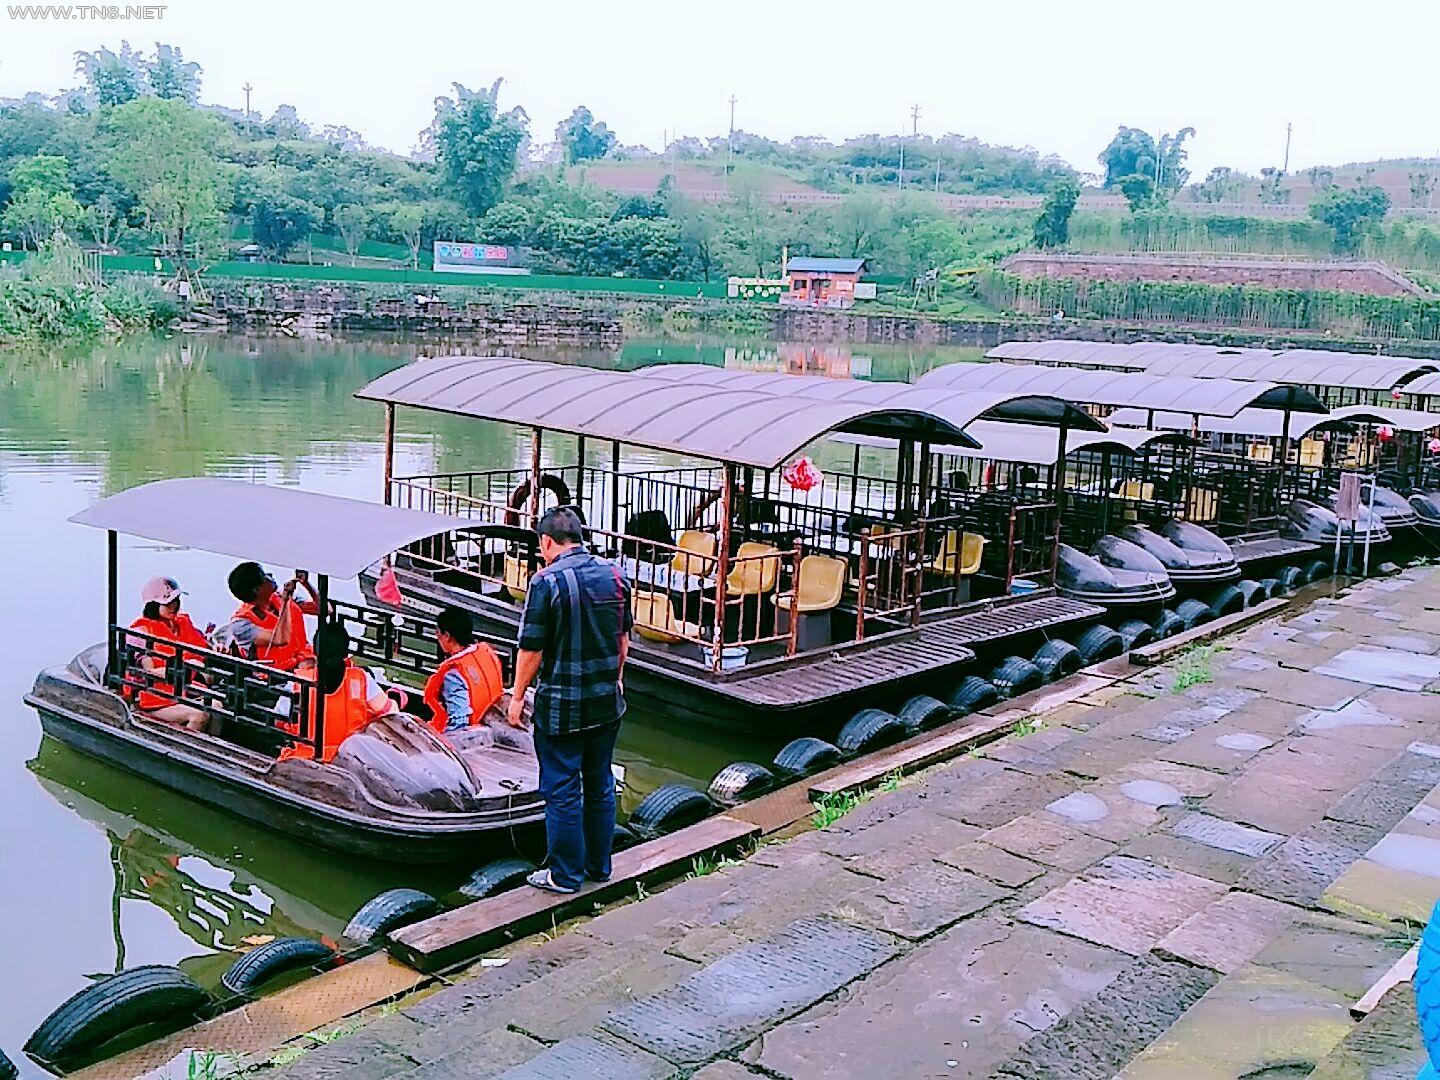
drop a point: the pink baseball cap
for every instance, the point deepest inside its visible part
(161, 590)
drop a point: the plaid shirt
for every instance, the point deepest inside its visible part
(576, 613)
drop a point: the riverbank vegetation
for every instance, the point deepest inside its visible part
(53, 297)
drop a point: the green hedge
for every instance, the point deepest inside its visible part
(1192, 304)
(301, 272)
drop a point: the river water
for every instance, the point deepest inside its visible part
(100, 870)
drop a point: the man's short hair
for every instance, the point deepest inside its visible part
(562, 525)
(245, 581)
(458, 624)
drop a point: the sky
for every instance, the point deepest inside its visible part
(1356, 81)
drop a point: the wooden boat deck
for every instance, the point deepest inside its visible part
(937, 645)
(1270, 545)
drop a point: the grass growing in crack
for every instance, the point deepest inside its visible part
(831, 808)
(314, 1039)
(1028, 726)
(891, 781)
(1193, 668)
(703, 867)
(1409, 933)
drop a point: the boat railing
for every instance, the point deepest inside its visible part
(249, 695)
(508, 489)
(403, 643)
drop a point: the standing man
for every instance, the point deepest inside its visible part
(574, 636)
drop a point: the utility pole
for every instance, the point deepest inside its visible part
(914, 120)
(730, 143)
(247, 88)
(914, 127)
(1285, 169)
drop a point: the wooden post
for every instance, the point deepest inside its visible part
(578, 496)
(535, 438)
(855, 479)
(1285, 452)
(389, 448)
(722, 568)
(1059, 479)
(322, 591)
(112, 612)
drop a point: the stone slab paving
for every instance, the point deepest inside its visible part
(1159, 883)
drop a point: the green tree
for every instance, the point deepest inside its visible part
(506, 223)
(1052, 227)
(165, 152)
(477, 146)
(856, 223)
(412, 223)
(1134, 153)
(104, 221)
(1139, 191)
(278, 222)
(582, 137)
(1273, 191)
(112, 78)
(41, 201)
(354, 225)
(1221, 184)
(1350, 214)
(171, 76)
(1131, 152)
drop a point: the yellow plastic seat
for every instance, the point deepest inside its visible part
(971, 546)
(1202, 505)
(517, 577)
(1137, 489)
(696, 555)
(655, 619)
(822, 583)
(1312, 453)
(756, 576)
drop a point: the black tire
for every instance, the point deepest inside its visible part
(972, 695)
(1099, 643)
(8, 1071)
(1016, 675)
(806, 755)
(1271, 586)
(1135, 633)
(1194, 613)
(1056, 659)
(1253, 592)
(625, 837)
(1230, 600)
(738, 781)
(870, 729)
(1168, 624)
(149, 994)
(1317, 570)
(389, 911)
(496, 877)
(1288, 580)
(923, 712)
(670, 807)
(259, 966)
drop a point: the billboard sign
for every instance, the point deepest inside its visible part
(464, 257)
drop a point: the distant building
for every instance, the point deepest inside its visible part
(823, 283)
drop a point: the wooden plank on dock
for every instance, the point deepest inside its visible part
(259, 1027)
(1158, 651)
(456, 937)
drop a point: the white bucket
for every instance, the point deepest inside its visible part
(734, 657)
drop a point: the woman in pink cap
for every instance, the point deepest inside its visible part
(163, 619)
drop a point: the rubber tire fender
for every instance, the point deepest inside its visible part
(1016, 675)
(521, 495)
(1098, 643)
(1253, 591)
(1270, 586)
(870, 729)
(1056, 659)
(1317, 570)
(1230, 599)
(261, 964)
(1288, 579)
(496, 876)
(738, 781)
(1194, 613)
(132, 998)
(806, 755)
(1135, 633)
(972, 695)
(8, 1071)
(923, 712)
(1168, 624)
(669, 807)
(388, 911)
(625, 837)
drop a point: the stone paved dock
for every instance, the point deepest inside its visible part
(1194, 872)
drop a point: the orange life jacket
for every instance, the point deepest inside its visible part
(294, 652)
(479, 666)
(347, 710)
(183, 632)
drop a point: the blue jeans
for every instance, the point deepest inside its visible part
(579, 792)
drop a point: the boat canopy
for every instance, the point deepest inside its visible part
(1207, 397)
(279, 526)
(1040, 446)
(961, 406)
(691, 417)
(1389, 415)
(1260, 423)
(1307, 367)
(1424, 384)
